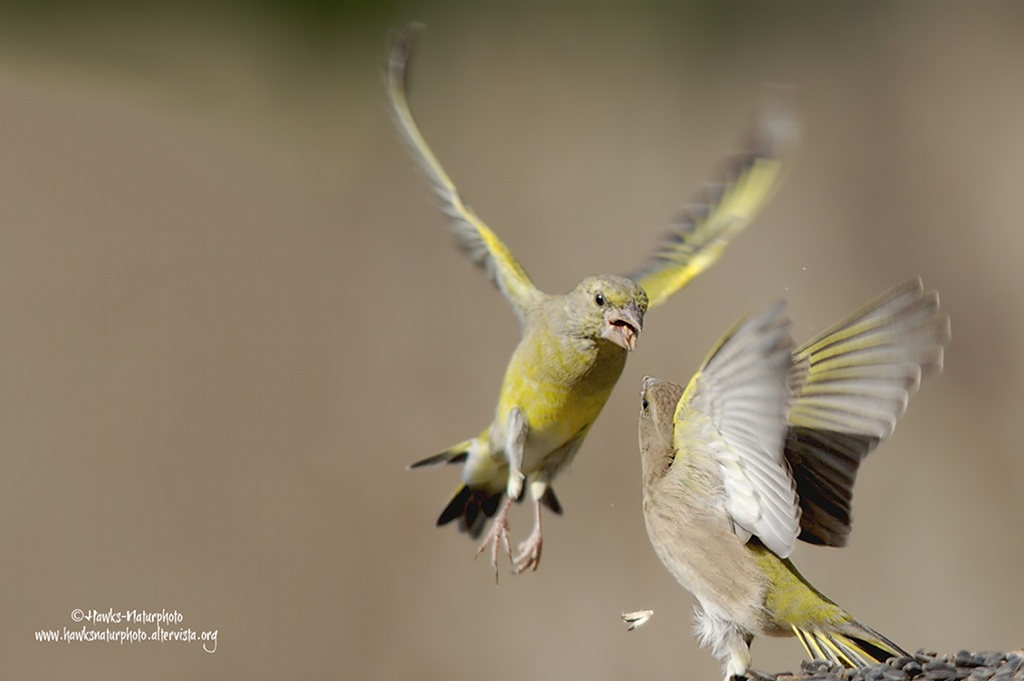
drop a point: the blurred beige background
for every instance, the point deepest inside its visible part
(232, 315)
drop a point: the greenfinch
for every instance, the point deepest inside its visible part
(573, 346)
(761, 448)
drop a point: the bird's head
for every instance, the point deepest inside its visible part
(658, 400)
(611, 308)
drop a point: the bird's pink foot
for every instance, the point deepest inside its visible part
(528, 555)
(497, 536)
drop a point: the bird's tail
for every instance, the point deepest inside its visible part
(850, 644)
(457, 454)
(475, 502)
(826, 631)
(472, 507)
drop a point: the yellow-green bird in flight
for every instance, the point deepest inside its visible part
(573, 346)
(762, 448)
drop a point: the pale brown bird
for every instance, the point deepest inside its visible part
(762, 448)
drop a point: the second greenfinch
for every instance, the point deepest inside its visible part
(762, 448)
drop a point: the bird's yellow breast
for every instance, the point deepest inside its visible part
(560, 385)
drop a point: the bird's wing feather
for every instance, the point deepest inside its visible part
(859, 374)
(472, 235)
(851, 383)
(734, 411)
(698, 237)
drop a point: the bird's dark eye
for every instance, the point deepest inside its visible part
(599, 299)
(643, 403)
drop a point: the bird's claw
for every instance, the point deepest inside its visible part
(528, 555)
(498, 534)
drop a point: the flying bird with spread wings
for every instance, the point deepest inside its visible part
(573, 346)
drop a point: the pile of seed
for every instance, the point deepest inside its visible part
(964, 666)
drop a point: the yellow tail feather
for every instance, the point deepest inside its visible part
(860, 646)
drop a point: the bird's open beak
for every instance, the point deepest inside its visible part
(623, 326)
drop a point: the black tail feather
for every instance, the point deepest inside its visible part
(472, 508)
(551, 501)
(876, 652)
(443, 457)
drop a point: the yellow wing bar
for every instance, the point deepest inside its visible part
(474, 237)
(699, 236)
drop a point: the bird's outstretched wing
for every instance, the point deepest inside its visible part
(698, 237)
(474, 237)
(734, 411)
(851, 383)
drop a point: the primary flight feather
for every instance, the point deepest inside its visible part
(573, 346)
